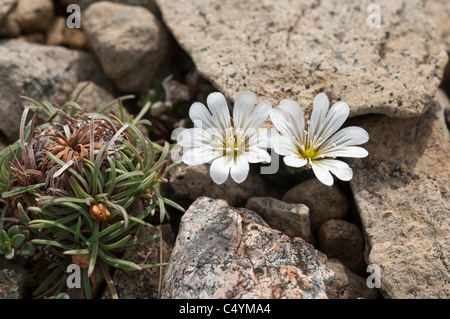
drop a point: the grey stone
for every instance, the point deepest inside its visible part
(59, 34)
(295, 49)
(347, 285)
(149, 4)
(10, 284)
(9, 28)
(344, 241)
(40, 72)
(291, 219)
(439, 11)
(402, 193)
(33, 15)
(223, 252)
(6, 6)
(130, 42)
(324, 202)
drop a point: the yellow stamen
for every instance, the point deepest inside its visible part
(309, 153)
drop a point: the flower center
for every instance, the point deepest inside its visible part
(309, 153)
(234, 144)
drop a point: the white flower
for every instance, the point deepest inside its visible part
(319, 145)
(228, 144)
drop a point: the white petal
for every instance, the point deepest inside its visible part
(240, 169)
(265, 138)
(201, 117)
(198, 155)
(294, 161)
(288, 119)
(352, 135)
(259, 115)
(285, 146)
(337, 115)
(319, 112)
(193, 137)
(219, 170)
(348, 151)
(258, 155)
(279, 121)
(339, 168)
(322, 173)
(219, 109)
(243, 106)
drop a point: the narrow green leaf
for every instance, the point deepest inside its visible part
(160, 200)
(112, 178)
(47, 282)
(134, 242)
(115, 245)
(52, 243)
(77, 252)
(94, 251)
(142, 112)
(173, 204)
(78, 230)
(148, 266)
(118, 263)
(18, 190)
(87, 284)
(79, 192)
(106, 231)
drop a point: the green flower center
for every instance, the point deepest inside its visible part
(234, 144)
(309, 153)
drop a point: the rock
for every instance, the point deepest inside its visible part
(295, 49)
(148, 4)
(10, 284)
(41, 72)
(223, 252)
(6, 6)
(324, 202)
(439, 11)
(191, 182)
(130, 42)
(60, 34)
(344, 241)
(9, 28)
(291, 219)
(402, 193)
(347, 285)
(93, 97)
(36, 37)
(145, 284)
(33, 15)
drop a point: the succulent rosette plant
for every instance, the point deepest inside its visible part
(79, 188)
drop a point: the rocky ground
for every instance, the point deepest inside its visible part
(273, 236)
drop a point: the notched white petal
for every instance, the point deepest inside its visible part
(294, 161)
(322, 173)
(219, 170)
(239, 169)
